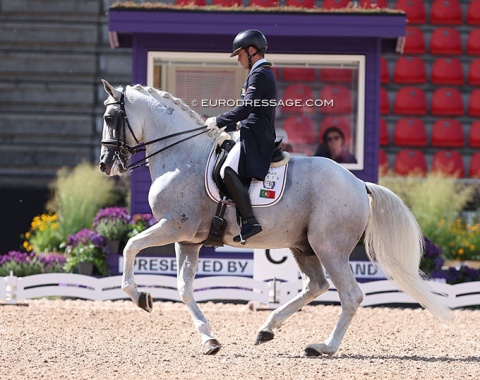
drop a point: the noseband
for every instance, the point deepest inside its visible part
(122, 148)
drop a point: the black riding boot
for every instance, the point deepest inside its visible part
(240, 196)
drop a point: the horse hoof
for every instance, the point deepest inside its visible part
(145, 301)
(264, 336)
(318, 350)
(311, 352)
(211, 347)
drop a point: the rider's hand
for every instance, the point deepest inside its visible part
(212, 127)
(211, 124)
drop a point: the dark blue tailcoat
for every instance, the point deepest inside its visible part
(257, 119)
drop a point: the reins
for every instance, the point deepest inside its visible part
(140, 147)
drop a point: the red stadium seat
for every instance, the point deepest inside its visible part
(474, 72)
(384, 102)
(341, 96)
(336, 75)
(474, 103)
(410, 101)
(300, 130)
(447, 71)
(410, 162)
(447, 101)
(410, 132)
(447, 133)
(384, 71)
(474, 171)
(300, 3)
(448, 162)
(342, 122)
(474, 134)
(415, 10)
(276, 71)
(373, 4)
(410, 70)
(414, 41)
(383, 164)
(473, 13)
(384, 134)
(473, 42)
(265, 3)
(299, 74)
(297, 93)
(190, 2)
(446, 12)
(228, 3)
(329, 4)
(446, 40)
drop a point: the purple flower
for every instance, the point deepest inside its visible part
(85, 237)
(112, 214)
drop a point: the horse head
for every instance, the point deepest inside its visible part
(124, 136)
(118, 137)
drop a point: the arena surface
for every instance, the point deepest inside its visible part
(73, 339)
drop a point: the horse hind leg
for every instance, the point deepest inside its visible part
(314, 284)
(187, 260)
(351, 297)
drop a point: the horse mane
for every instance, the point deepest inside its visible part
(176, 102)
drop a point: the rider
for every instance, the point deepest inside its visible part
(255, 117)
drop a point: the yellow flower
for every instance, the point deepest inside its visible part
(460, 251)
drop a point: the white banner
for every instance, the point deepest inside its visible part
(206, 266)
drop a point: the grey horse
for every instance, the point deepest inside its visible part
(321, 217)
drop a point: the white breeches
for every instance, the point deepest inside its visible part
(232, 159)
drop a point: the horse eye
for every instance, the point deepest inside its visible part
(108, 118)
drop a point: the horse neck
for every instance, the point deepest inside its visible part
(191, 154)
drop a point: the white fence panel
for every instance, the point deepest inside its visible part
(231, 288)
(288, 290)
(459, 295)
(13, 289)
(3, 288)
(385, 292)
(56, 284)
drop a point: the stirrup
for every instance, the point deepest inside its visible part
(254, 229)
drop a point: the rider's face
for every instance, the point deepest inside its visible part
(243, 58)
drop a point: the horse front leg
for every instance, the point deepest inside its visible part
(187, 261)
(153, 236)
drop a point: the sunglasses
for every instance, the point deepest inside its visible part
(332, 138)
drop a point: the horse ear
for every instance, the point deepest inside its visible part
(112, 91)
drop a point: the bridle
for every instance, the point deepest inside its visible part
(122, 148)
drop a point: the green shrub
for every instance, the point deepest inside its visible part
(78, 194)
(436, 201)
(431, 199)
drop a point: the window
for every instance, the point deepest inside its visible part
(317, 88)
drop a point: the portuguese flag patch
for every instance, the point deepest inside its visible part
(270, 194)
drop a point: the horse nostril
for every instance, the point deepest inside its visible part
(102, 167)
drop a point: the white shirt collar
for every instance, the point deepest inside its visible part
(259, 62)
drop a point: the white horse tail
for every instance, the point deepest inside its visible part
(395, 240)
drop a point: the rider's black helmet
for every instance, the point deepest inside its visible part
(251, 37)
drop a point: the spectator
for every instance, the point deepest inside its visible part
(334, 147)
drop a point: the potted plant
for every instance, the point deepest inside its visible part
(113, 224)
(85, 251)
(44, 234)
(139, 223)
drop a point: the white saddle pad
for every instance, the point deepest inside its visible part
(262, 193)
